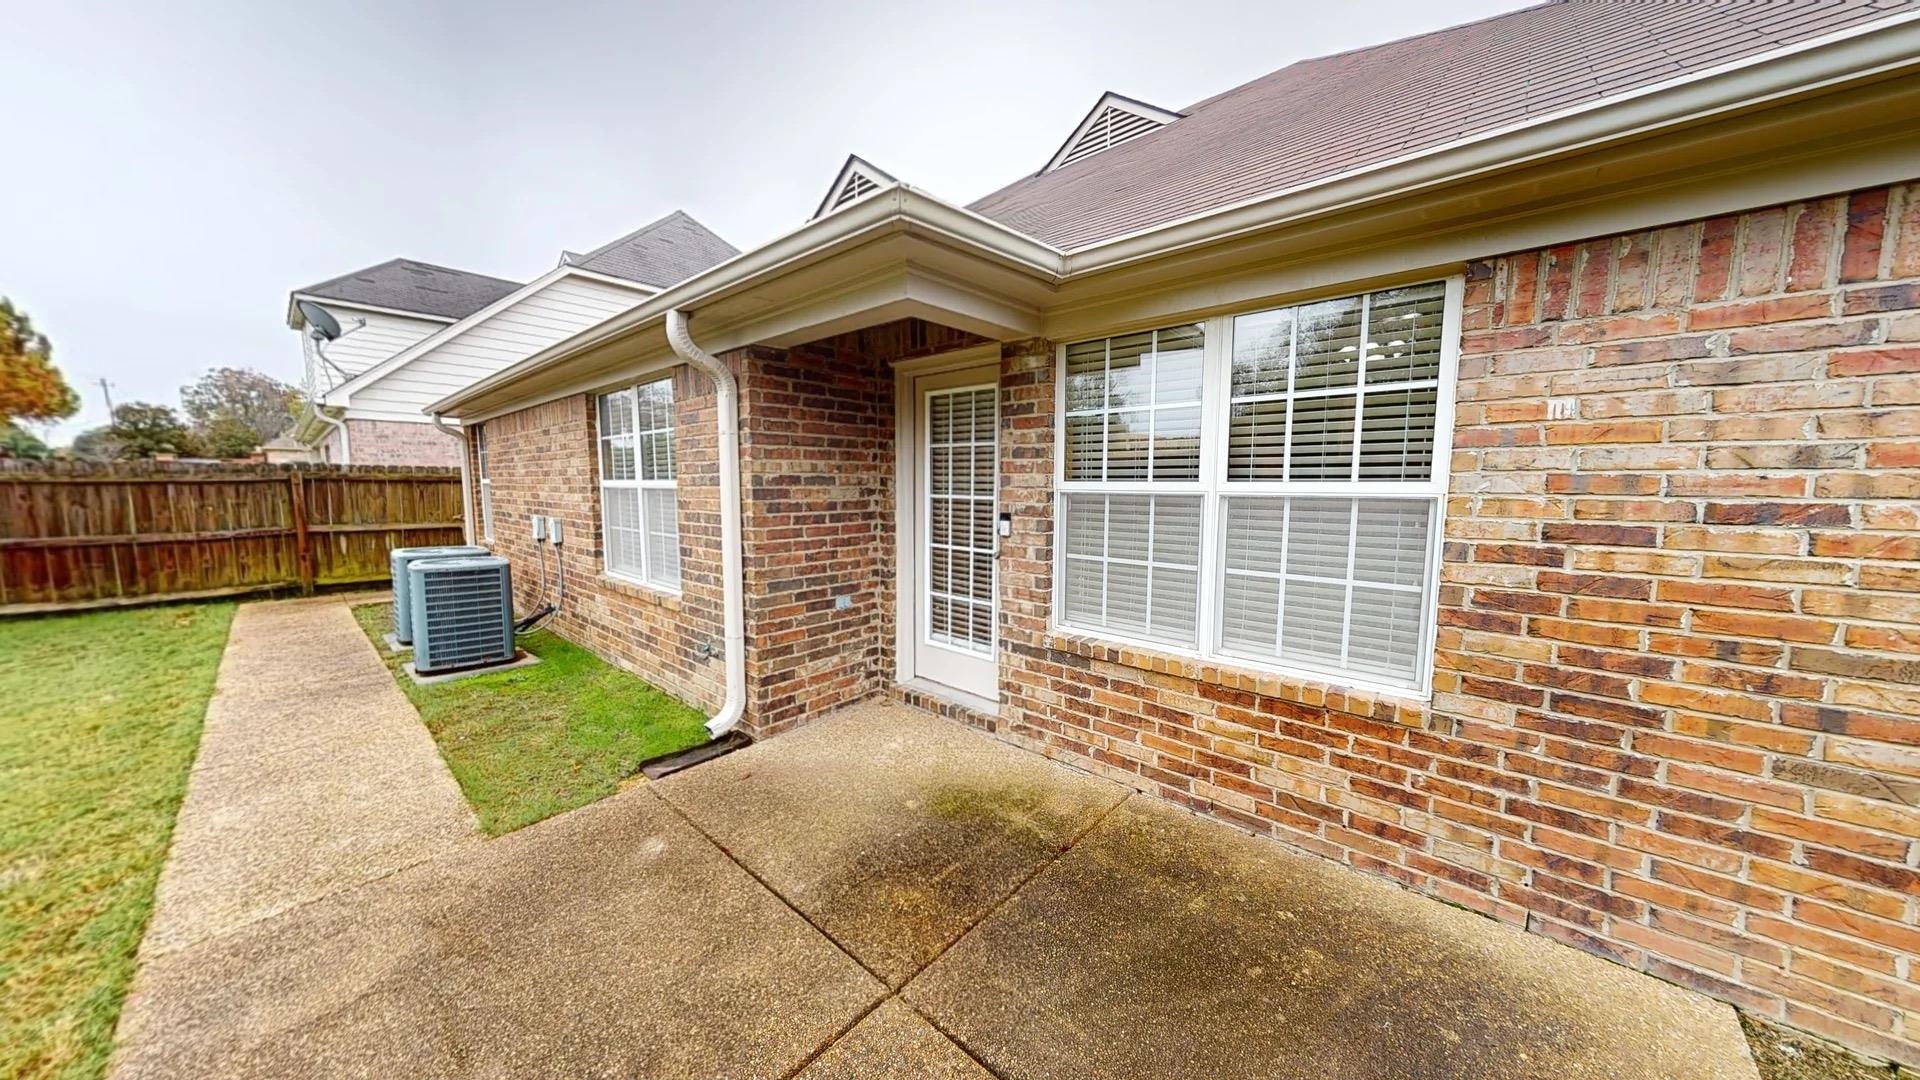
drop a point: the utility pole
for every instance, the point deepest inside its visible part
(108, 394)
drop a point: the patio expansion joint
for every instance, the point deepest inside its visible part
(1042, 868)
(192, 944)
(893, 992)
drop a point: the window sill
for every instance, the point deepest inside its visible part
(634, 589)
(1405, 710)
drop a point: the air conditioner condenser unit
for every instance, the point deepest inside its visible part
(397, 562)
(462, 611)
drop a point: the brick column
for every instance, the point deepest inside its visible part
(1026, 557)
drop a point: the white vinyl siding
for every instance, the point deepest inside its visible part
(361, 347)
(486, 482)
(639, 506)
(1295, 525)
(562, 309)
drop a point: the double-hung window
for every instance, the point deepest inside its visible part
(1264, 487)
(486, 483)
(639, 511)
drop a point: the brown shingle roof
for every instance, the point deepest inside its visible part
(1318, 118)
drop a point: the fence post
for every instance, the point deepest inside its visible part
(303, 540)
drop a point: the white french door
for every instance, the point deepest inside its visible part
(956, 419)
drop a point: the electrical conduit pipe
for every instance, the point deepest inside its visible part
(733, 591)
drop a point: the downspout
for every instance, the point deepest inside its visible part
(346, 454)
(733, 590)
(459, 435)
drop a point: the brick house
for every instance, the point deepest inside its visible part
(1514, 494)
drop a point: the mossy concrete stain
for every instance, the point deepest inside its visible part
(1163, 945)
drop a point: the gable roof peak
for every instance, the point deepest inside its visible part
(856, 179)
(1114, 119)
(657, 254)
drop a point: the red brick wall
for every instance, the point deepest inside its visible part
(817, 470)
(817, 484)
(541, 460)
(393, 442)
(1676, 718)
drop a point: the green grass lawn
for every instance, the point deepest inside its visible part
(99, 717)
(530, 743)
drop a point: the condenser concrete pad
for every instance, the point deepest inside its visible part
(525, 659)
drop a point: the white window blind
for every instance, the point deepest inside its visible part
(1133, 564)
(1294, 526)
(1132, 437)
(639, 507)
(961, 467)
(1325, 583)
(486, 482)
(1133, 406)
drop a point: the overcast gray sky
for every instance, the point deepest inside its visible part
(176, 169)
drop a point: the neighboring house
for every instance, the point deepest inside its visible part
(1491, 459)
(417, 332)
(287, 450)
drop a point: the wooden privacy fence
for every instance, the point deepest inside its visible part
(78, 535)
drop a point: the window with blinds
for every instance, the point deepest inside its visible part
(1133, 425)
(1292, 521)
(639, 509)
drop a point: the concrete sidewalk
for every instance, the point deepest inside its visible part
(314, 775)
(880, 893)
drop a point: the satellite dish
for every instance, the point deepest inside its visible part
(320, 321)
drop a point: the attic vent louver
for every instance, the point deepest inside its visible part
(856, 179)
(1114, 120)
(857, 185)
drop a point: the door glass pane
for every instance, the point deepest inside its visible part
(959, 556)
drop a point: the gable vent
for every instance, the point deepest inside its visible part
(857, 185)
(1114, 120)
(857, 179)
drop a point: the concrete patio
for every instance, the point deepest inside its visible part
(880, 893)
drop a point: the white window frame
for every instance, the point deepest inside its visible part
(644, 579)
(1215, 489)
(486, 483)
